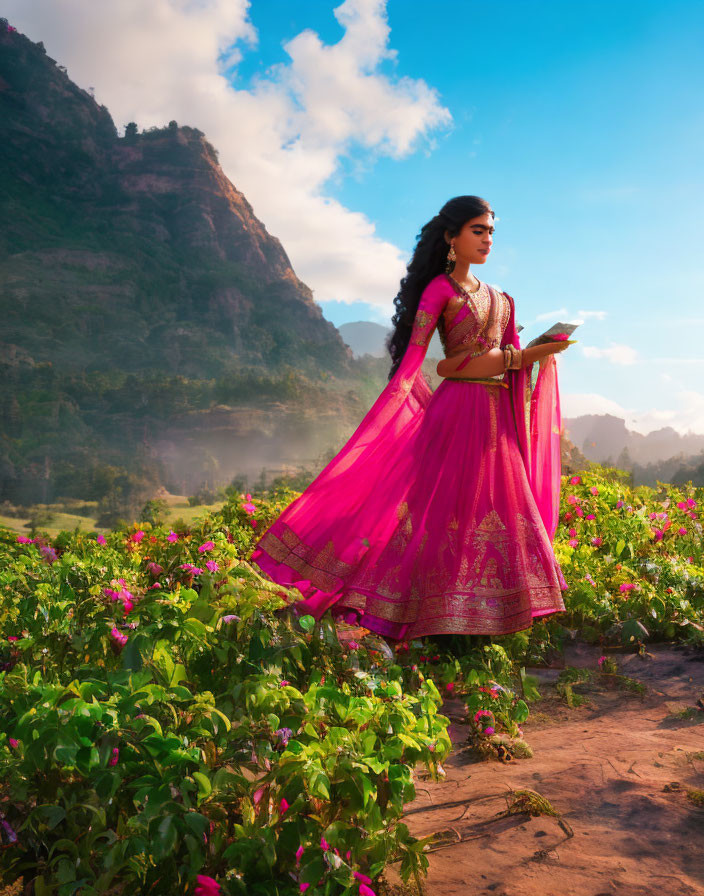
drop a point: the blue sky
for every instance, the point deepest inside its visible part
(347, 125)
(583, 125)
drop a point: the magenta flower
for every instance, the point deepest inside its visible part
(693, 516)
(324, 844)
(626, 586)
(681, 531)
(187, 566)
(284, 734)
(118, 637)
(303, 887)
(206, 886)
(682, 505)
(196, 570)
(597, 541)
(138, 535)
(568, 516)
(572, 499)
(573, 542)
(601, 661)
(482, 712)
(353, 645)
(362, 878)
(206, 546)
(450, 687)
(172, 536)
(12, 638)
(284, 681)
(364, 890)
(101, 539)
(573, 533)
(13, 743)
(212, 565)
(575, 480)
(489, 730)
(658, 534)
(590, 516)
(579, 512)
(22, 539)
(155, 585)
(594, 490)
(690, 559)
(619, 504)
(115, 753)
(155, 569)
(299, 855)
(691, 502)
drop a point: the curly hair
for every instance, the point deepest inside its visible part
(429, 259)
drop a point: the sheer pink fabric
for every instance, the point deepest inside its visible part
(369, 536)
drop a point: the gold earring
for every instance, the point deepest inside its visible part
(451, 259)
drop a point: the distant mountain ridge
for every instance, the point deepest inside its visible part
(368, 337)
(605, 437)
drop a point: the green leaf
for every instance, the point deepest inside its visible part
(306, 623)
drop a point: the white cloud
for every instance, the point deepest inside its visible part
(597, 315)
(615, 353)
(685, 415)
(549, 315)
(280, 141)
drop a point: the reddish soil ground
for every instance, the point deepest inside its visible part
(618, 770)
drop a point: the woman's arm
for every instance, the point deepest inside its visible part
(491, 362)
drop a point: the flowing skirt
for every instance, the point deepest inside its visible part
(463, 549)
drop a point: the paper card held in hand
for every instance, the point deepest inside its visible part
(558, 332)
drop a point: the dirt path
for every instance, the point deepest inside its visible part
(617, 769)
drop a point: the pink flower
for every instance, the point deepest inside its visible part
(206, 546)
(284, 683)
(579, 512)
(691, 502)
(196, 570)
(594, 490)
(597, 540)
(212, 565)
(590, 516)
(489, 730)
(303, 887)
(115, 756)
(572, 499)
(568, 517)
(172, 536)
(12, 638)
(324, 844)
(681, 531)
(619, 504)
(155, 569)
(573, 533)
(481, 712)
(118, 637)
(602, 660)
(353, 645)
(357, 875)
(299, 856)
(450, 687)
(693, 516)
(364, 890)
(575, 480)
(100, 539)
(258, 794)
(138, 535)
(283, 805)
(682, 505)
(658, 534)
(207, 886)
(690, 559)
(573, 542)
(13, 743)
(22, 539)
(652, 515)
(626, 586)
(155, 585)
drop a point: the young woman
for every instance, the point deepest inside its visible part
(438, 514)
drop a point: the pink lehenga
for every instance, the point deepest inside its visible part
(437, 516)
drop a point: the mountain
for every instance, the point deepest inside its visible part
(606, 438)
(135, 252)
(150, 320)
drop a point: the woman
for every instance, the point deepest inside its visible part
(438, 514)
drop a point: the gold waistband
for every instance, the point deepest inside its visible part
(487, 381)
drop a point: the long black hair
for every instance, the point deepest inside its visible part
(429, 259)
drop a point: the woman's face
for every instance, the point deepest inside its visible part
(473, 242)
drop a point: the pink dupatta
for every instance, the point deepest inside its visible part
(318, 541)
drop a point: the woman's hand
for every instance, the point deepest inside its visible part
(539, 352)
